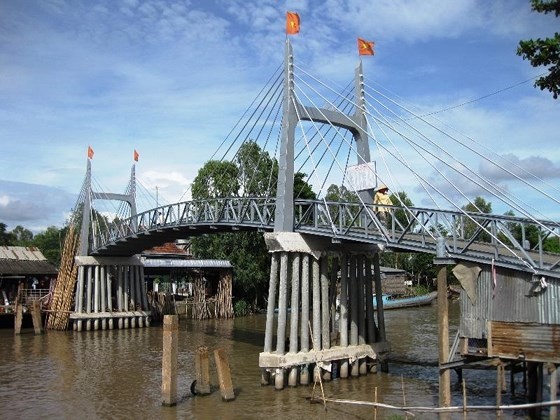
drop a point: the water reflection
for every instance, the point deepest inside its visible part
(117, 374)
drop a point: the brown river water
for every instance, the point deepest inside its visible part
(116, 374)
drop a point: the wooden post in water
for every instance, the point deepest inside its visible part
(443, 329)
(18, 318)
(36, 316)
(202, 367)
(169, 360)
(553, 374)
(224, 375)
(499, 386)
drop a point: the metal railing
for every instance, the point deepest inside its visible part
(478, 237)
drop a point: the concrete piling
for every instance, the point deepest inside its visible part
(336, 324)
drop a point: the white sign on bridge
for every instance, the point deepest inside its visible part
(361, 177)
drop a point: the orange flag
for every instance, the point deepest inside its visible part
(90, 152)
(292, 23)
(136, 155)
(365, 47)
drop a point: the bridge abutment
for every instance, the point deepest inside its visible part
(110, 292)
(326, 325)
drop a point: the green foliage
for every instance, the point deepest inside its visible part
(241, 308)
(50, 243)
(544, 52)
(252, 173)
(421, 289)
(23, 236)
(470, 227)
(216, 179)
(302, 189)
(401, 199)
(6, 238)
(341, 194)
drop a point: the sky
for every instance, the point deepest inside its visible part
(170, 79)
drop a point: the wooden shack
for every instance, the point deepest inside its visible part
(199, 288)
(511, 321)
(26, 271)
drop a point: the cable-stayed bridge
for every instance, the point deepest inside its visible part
(344, 142)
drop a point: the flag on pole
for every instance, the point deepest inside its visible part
(365, 47)
(136, 155)
(90, 152)
(292, 23)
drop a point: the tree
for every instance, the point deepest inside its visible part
(401, 198)
(470, 227)
(22, 236)
(216, 179)
(252, 173)
(544, 52)
(6, 238)
(50, 243)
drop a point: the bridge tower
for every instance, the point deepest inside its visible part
(108, 289)
(304, 261)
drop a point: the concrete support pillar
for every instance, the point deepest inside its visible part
(304, 326)
(325, 304)
(80, 289)
(103, 294)
(316, 305)
(120, 288)
(138, 287)
(294, 315)
(169, 360)
(343, 320)
(126, 290)
(96, 295)
(282, 315)
(272, 284)
(102, 288)
(362, 363)
(132, 288)
(305, 303)
(89, 294)
(325, 310)
(78, 325)
(379, 299)
(370, 321)
(354, 371)
(144, 290)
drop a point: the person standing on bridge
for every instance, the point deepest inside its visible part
(382, 197)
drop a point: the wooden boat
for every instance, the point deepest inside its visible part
(394, 302)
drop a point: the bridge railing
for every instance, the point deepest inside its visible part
(475, 236)
(237, 211)
(468, 236)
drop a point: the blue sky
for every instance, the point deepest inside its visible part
(171, 78)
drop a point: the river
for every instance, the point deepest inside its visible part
(116, 374)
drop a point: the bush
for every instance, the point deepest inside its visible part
(420, 290)
(241, 308)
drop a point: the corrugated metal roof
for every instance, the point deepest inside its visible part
(30, 253)
(19, 260)
(176, 263)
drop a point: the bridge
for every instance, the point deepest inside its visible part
(313, 241)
